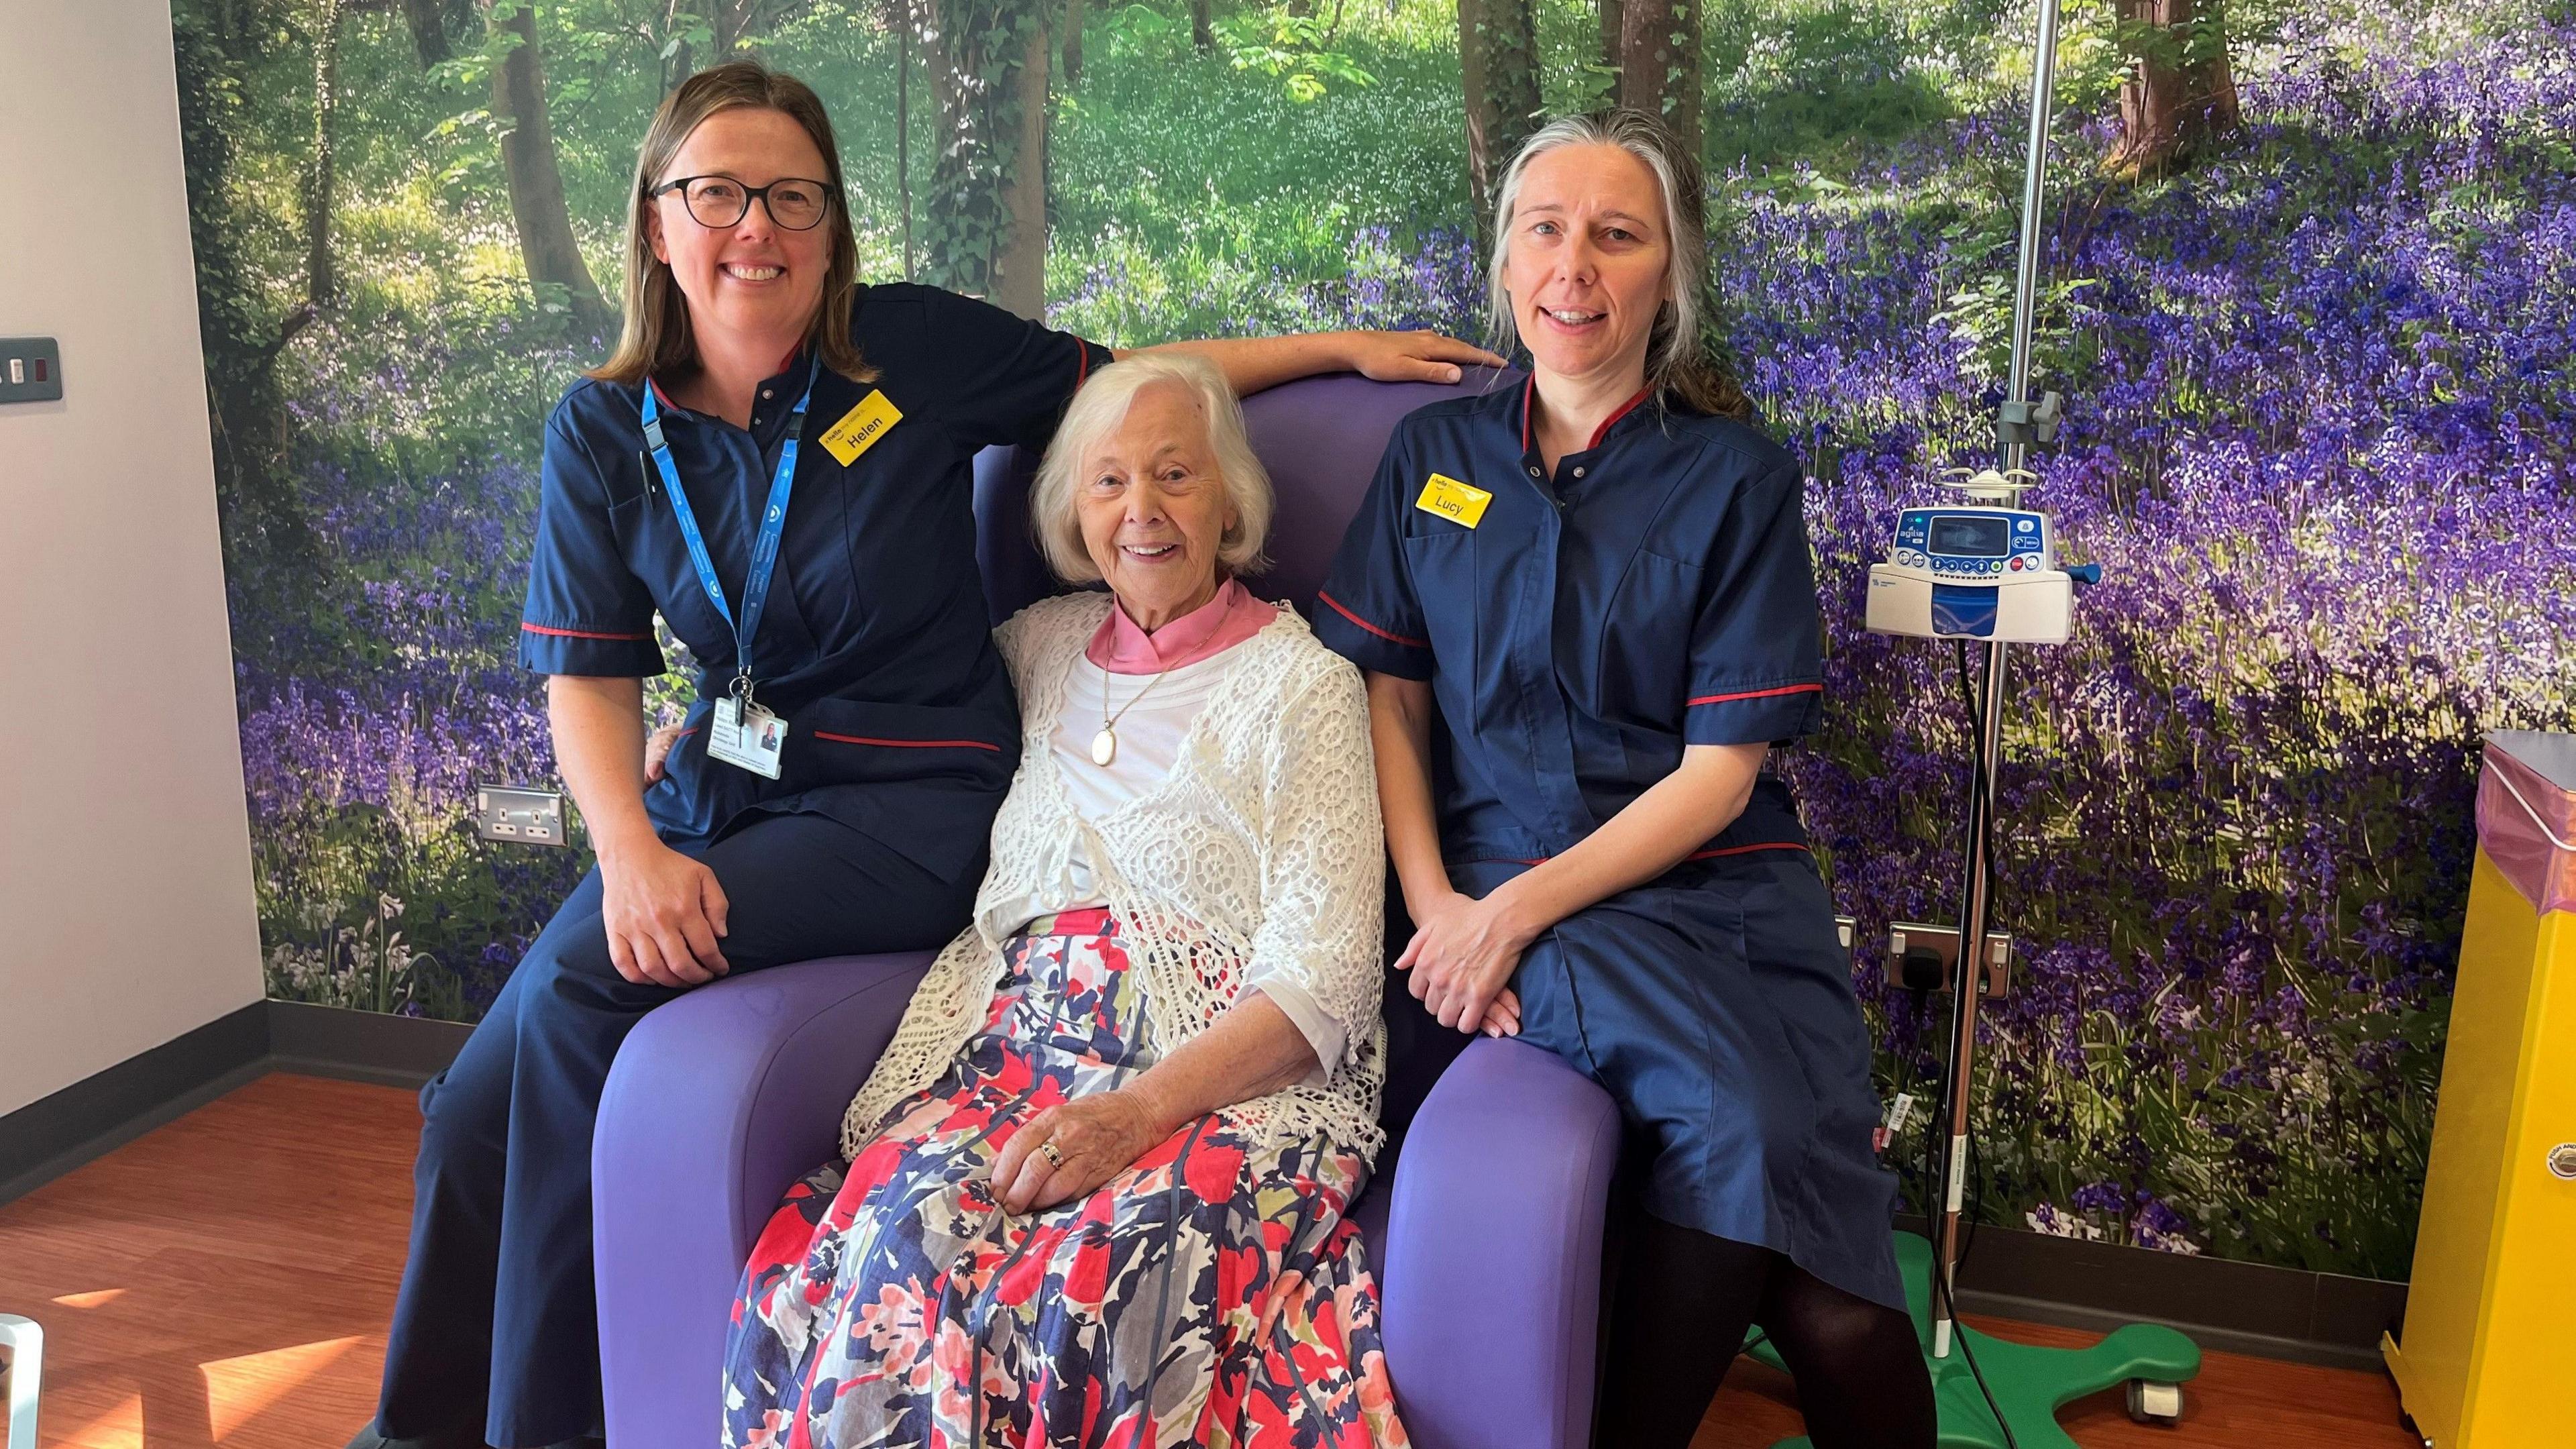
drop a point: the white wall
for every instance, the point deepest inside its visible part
(125, 898)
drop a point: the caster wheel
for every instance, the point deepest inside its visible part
(2154, 1403)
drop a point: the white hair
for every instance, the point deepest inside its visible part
(1098, 409)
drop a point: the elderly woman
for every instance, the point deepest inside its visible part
(1596, 586)
(1095, 1188)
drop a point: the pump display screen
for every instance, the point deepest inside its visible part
(1962, 537)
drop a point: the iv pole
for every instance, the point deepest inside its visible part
(1993, 1393)
(1976, 905)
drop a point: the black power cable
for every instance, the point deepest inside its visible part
(1970, 976)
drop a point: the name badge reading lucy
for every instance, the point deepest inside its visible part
(860, 427)
(1458, 502)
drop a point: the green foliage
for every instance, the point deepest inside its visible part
(1825, 82)
(1296, 49)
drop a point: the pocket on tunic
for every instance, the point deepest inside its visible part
(1443, 568)
(1643, 649)
(846, 742)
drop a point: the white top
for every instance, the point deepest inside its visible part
(1256, 857)
(1154, 718)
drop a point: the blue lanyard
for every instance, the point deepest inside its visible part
(764, 547)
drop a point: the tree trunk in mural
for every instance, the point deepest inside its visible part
(1072, 44)
(985, 234)
(903, 23)
(321, 282)
(1202, 26)
(2180, 93)
(1019, 273)
(242, 337)
(1611, 10)
(1659, 63)
(678, 63)
(546, 241)
(733, 22)
(1498, 67)
(427, 21)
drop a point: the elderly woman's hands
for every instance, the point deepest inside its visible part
(1097, 1137)
(1251, 1049)
(657, 749)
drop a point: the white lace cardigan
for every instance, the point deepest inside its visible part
(1260, 849)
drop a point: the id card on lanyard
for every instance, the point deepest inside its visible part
(742, 733)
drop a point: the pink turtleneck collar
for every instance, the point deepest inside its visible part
(1212, 628)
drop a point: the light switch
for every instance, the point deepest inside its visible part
(31, 369)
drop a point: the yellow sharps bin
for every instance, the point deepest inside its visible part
(2488, 1356)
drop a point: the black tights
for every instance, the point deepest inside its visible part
(1684, 1301)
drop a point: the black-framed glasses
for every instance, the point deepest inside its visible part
(717, 202)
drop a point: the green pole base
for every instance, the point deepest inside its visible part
(2030, 1384)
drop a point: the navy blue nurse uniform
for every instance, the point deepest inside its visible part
(902, 735)
(1655, 591)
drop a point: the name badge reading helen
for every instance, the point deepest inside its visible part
(1458, 502)
(860, 427)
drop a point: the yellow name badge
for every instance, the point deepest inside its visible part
(1458, 502)
(860, 427)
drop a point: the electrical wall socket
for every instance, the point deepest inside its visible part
(31, 369)
(1944, 942)
(519, 815)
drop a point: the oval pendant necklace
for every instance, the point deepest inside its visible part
(1104, 745)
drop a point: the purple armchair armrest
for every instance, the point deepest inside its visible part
(1490, 1257)
(717, 1102)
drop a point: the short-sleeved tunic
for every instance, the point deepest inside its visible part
(1654, 591)
(875, 645)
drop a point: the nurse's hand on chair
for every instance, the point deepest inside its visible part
(664, 913)
(1462, 954)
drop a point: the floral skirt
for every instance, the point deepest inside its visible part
(1211, 1294)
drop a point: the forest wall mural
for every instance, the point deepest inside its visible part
(2310, 289)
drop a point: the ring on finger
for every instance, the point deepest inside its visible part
(1048, 1151)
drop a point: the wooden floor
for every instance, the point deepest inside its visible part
(227, 1279)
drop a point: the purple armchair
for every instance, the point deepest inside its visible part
(1486, 1235)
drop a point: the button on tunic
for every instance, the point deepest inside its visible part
(1653, 592)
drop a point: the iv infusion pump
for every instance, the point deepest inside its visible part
(1973, 572)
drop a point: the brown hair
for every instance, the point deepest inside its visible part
(1685, 349)
(656, 336)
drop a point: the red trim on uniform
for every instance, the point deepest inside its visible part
(684, 734)
(907, 744)
(1756, 694)
(658, 393)
(1081, 362)
(1372, 628)
(1529, 385)
(1694, 855)
(1625, 408)
(529, 628)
